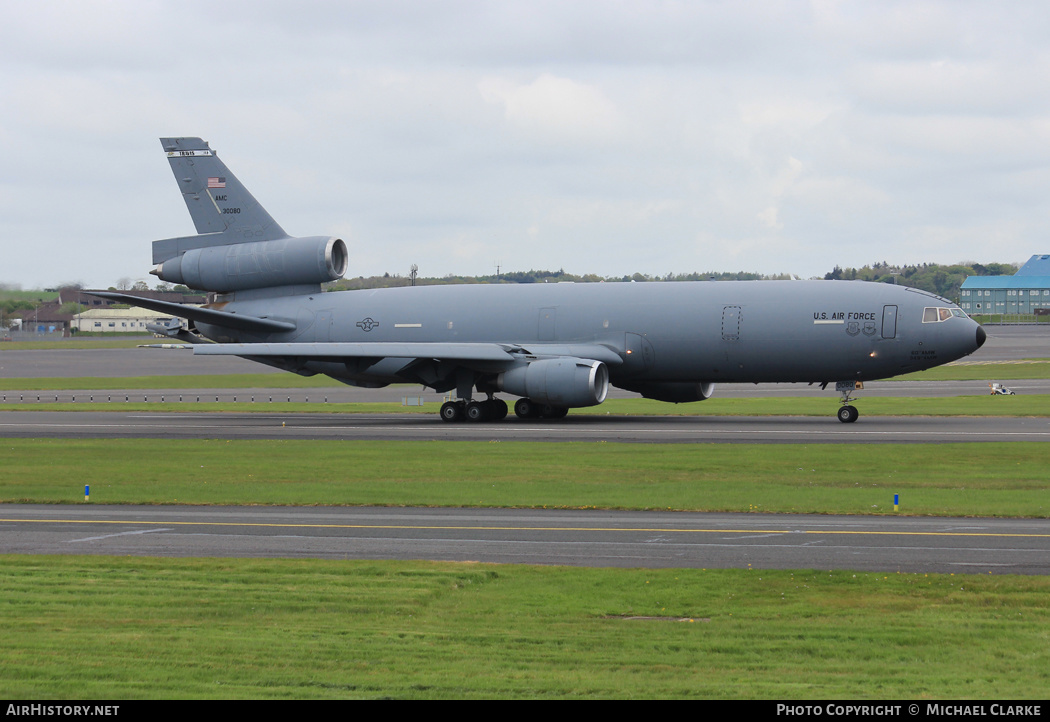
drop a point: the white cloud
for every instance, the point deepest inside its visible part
(556, 108)
(769, 218)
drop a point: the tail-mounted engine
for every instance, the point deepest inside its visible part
(257, 264)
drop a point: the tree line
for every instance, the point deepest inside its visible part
(933, 277)
(944, 280)
(388, 280)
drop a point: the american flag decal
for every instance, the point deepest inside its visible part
(219, 182)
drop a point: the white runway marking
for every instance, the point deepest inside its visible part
(110, 536)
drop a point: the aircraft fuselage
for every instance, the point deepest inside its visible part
(727, 331)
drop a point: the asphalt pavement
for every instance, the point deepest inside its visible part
(595, 538)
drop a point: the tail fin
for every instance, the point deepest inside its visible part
(217, 201)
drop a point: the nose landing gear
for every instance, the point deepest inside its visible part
(848, 413)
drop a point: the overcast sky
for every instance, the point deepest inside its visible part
(599, 137)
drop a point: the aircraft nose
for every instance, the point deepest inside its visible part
(981, 336)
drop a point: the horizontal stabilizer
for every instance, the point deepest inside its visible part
(210, 316)
(173, 247)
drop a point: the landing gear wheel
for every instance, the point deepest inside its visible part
(499, 409)
(848, 414)
(477, 411)
(451, 411)
(526, 409)
(554, 412)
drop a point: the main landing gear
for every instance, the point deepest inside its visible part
(529, 409)
(494, 409)
(489, 410)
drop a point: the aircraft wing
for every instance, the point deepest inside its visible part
(211, 316)
(481, 353)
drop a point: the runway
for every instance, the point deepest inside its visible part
(580, 428)
(580, 538)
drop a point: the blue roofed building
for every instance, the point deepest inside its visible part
(1025, 292)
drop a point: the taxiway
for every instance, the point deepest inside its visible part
(534, 536)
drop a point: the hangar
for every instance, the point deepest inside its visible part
(1027, 292)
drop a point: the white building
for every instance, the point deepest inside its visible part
(116, 320)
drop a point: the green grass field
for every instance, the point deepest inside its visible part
(148, 383)
(995, 479)
(89, 342)
(133, 628)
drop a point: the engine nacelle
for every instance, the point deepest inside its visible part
(675, 393)
(258, 264)
(568, 382)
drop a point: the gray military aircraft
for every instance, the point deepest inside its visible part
(556, 346)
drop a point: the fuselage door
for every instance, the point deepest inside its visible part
(323, 331)
(889, 322)
(547, 322)
(731, 323)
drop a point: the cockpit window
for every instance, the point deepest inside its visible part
(936, 315)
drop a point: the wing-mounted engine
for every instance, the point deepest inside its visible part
(567, 382)
(257, 264)
(675, 393)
